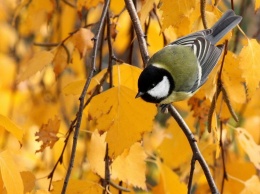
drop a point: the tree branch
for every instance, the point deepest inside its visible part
(196, 152)
(195, 149)
(83, 94)
(138, 29)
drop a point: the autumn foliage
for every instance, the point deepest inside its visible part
(48, 62)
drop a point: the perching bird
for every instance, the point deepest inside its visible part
(178, 70)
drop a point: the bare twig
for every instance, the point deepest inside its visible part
(60, 160)
(236, 38)
(45, 44)
(232, 5)
(228, 103)
(83, 94)
(139, 33)
(110, 50)
(212, 107)
(195, 149)
(220, 88)
(225, 177)
(192, 168)
(106, 180)
(101, 49)
(203, 13)
(119, 187)
(160, 24)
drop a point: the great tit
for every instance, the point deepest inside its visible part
(178, 70)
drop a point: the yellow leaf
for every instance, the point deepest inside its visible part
(10, 175)
(123, 37)
(37, 63)
(232, 80)
(250, 147)
(77, 186)
(124, 117)
(181, 9)
(249, 61)
(170, 147)
(130, 166)
(36, 13)
(8, 125)
(88, 3)
(28, 181)
(257, 4)
(239, 169)
(48, 133)
(96, 152)
(251, 124)
(147, 6)
(42, 191)
(126, 75)
(62, 57)
(116, 6)
(76, 87)
(153, 139)
(170, 182)
(154, 37)
(82, 40)
(252, 186)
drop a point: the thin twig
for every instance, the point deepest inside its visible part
(228, 103)
(131, 47)
(160, 24)
(60, 160)
(72, 126)
(225, 177)
(212, 107)
(236, 38)
(101, 49)
(195, 149)
(107, 172)
(203, 13)
(232, 5)
(83, 94)
(139, 33)
(192, 168)
(110, 51)
(42, 44)
(119, 187)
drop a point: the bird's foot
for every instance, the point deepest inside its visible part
(164, 108)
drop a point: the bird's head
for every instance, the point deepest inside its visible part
(154, 84)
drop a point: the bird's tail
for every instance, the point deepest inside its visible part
(226, 23)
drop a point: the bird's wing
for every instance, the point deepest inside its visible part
(207, 54)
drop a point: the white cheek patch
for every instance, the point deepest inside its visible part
(161, 90)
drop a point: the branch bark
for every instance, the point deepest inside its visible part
(138, 29)
(195, 149)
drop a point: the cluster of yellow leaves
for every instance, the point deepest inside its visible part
(60, 58)
(145, 156)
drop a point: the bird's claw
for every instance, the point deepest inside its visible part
(164, 108)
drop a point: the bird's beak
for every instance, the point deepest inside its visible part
(139, 94)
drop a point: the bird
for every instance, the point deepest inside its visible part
(178, 70)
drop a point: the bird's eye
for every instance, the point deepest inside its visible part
(153, 84)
